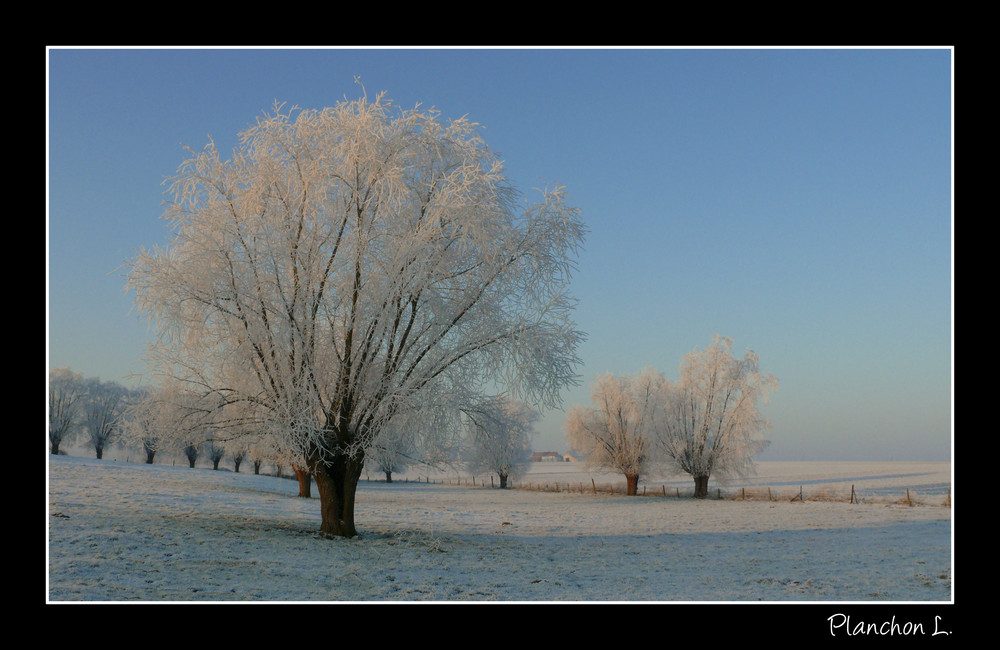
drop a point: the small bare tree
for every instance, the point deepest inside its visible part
(216, 452)
(192, 451)
(238, 451)
(389, 453)
(66, 396)
(103, 405)
(502, 429)
(713, 425)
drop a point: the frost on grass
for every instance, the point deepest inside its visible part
(134, 532)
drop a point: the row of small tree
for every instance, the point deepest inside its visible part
(100, 414)
(708, 423)
(496, 438)
(87, 409)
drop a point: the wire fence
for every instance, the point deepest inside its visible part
(923, 495)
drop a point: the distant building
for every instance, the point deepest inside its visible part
(570, 457)
(545, 457)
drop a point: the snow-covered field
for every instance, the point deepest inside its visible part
(120, 531)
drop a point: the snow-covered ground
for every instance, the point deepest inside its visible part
(120, 531)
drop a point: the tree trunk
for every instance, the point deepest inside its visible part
(631, 484)
(337, 483)
(149, 456)
(388, 476)
(503, 481)
(236, 463)
(99, 451)
(305, 481)
(55, 448)
(215, 463)
(701, 486)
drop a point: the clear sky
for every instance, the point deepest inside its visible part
(796, 200)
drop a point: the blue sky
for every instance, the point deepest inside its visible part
(796, 200)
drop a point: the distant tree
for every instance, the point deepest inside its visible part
(617, 433)
(262, 449)
(103, 406)
(502, 429)
(216, 452)
(151, 421)
(348, 261)
(192, 451)
(238, 452)
(713, 424)
(66, 395)
(395, 448)
(388, 454)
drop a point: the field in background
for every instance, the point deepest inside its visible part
(925, 483)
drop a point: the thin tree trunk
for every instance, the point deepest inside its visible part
(503, 481)
(632, 484)
(305, 481)
(100, 452)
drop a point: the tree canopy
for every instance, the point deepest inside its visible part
(353, 263)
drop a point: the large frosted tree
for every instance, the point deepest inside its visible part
(714, 426)
(618, 432)
(349, 264)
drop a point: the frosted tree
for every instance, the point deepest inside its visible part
(143, 423)
(352, 263)
(390, 451)
(215, 452)
(714, 426)
(192, 451)
(103, 404)
(259, 452)
(618, 432)
(238, 450)
(66, 395)
(158, 419)
(502, 430)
